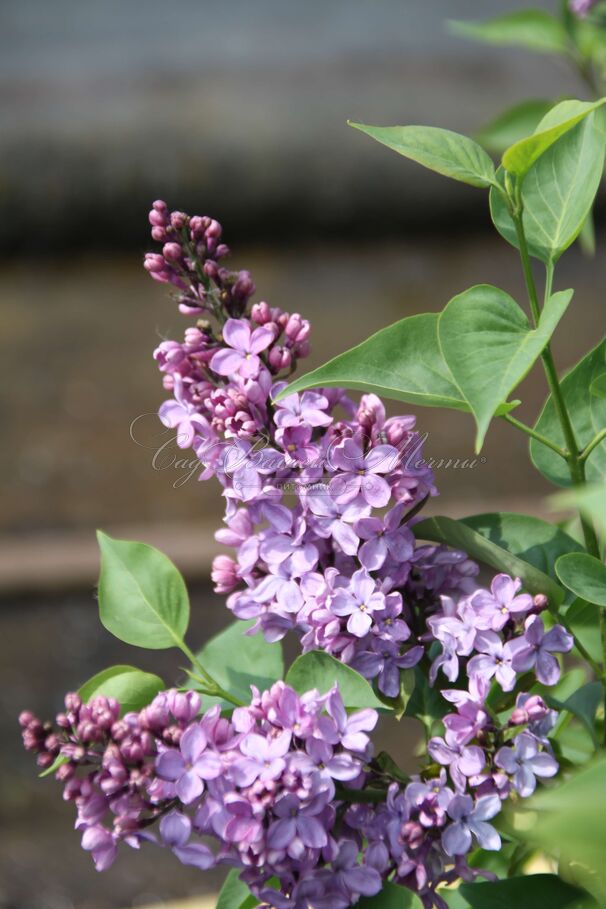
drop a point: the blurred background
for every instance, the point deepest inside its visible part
(237, 110)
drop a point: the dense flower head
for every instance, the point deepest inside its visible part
(321, 496)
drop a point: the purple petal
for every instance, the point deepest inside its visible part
(260, 339)
(175, 829)
(456, 839)
(281, 833)
(486, 835)
(359, 623)
(524, 781)
(189, 787)
(311, 832)
(170, 765)
(547, 668)
(196, 854)
(193, 743)
(225, 362)
(236, 333)
(375, 490)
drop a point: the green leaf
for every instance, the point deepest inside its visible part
(237, 660)
(513, 124)
(457, 534)
(598, 386)
(440, 150)
(588, 416)
(426, 703)
(391, 896)
(584, 705)
(142, 597)
(532, 29)
(133, 688)
(590, 500)
(489, 346)
(569, 821)
(583, 621)
(402, 362)
(235, 894)
(317, 669)
(584, 575)
(59, 761)
(534, 541)
(519, 157)
(557, 193)
(528, 892)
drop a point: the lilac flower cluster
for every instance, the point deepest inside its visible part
(106, 763)
(288, 788)
(262, 786)
(322, 562)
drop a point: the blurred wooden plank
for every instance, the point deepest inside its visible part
(52, 561)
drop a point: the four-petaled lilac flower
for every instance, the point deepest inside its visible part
(263, 758)
(503, 603)
(470, 820)
(308, 409)
(350, 878)
(495, 658)
(383, 537)
(537, 647)
(298, 826)
(180, 414)
(361, 472)
(358, 601)
(524, 761)
(242, 354)
(190, 766)
(462, 761)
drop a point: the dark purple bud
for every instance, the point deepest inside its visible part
(540, 602)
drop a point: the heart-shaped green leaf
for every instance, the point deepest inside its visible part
(133, 688)
(237, 660)
(489, 346)
(235, 894)
(519, 157)
(142, 596)
(440, 150)
(402, 362)
(441, 529)
(584, 575)
(530, 28)
(588, 415)
(557, 193)
(317, 669)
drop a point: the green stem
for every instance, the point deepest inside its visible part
(593, 444)
(211, 686)
(535, 435)
(576, 466)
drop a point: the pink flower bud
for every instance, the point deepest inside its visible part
(154, 262)
(260, 313)
(172, 251)
(224, 574)
(158, 234)
(178, 219)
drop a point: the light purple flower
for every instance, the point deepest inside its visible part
(241, 356)
(263, 758)
(100, 843)
(462, 761)
(308, 409)
(189, 766)
(298, 826)
(358, 601)
(524, 762)
(180, 414)
(495, 659)
(470, 821)
(383, 537)
(537, 648)
(361, 472)
(503, 603)
(351, 878)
